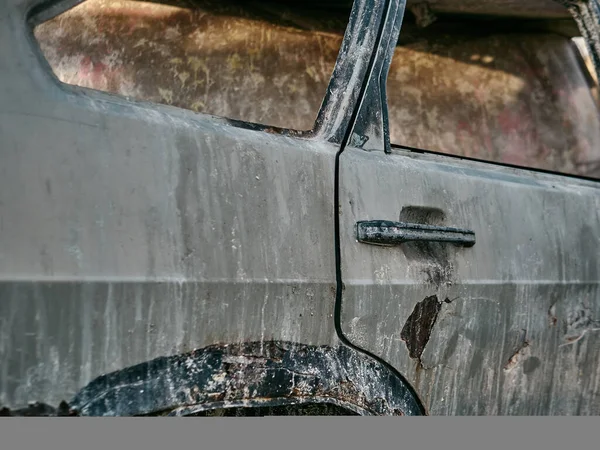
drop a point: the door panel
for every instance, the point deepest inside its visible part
(492, 329)
(132, 231)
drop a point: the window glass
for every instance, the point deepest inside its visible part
(523, 98)
(262, 62)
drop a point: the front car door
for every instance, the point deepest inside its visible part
(131, 231)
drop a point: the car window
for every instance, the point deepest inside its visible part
(514, 97)
(262, 62)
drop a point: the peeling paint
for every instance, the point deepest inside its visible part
(418, 326)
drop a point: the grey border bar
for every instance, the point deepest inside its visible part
(329, 433)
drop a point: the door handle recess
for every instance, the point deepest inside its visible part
(388, 233)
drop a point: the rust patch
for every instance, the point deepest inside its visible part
(552, 319)
(417, 329)
(519, 354)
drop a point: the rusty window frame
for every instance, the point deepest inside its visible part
(586, 14)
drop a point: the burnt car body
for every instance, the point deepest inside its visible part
(161, 260)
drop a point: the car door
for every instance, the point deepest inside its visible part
(478, 282)
(131, 231)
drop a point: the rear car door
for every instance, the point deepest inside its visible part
(478, 282)
(131, 230)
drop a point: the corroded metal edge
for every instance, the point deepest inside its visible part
(248, 374)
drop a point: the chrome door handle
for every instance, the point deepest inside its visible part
(388, 233)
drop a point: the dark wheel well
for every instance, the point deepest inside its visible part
(254, 378)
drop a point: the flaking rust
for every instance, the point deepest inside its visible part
(521, 352)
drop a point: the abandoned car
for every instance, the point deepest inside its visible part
(377, 207)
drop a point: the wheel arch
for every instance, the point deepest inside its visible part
(252, 374)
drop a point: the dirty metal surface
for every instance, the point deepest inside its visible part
(204, 223)
(508, 326)
(521, 98)
(136, 231)
(142, 231)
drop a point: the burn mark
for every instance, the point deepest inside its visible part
(417, 329)
(432, 259)
(531, 364)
